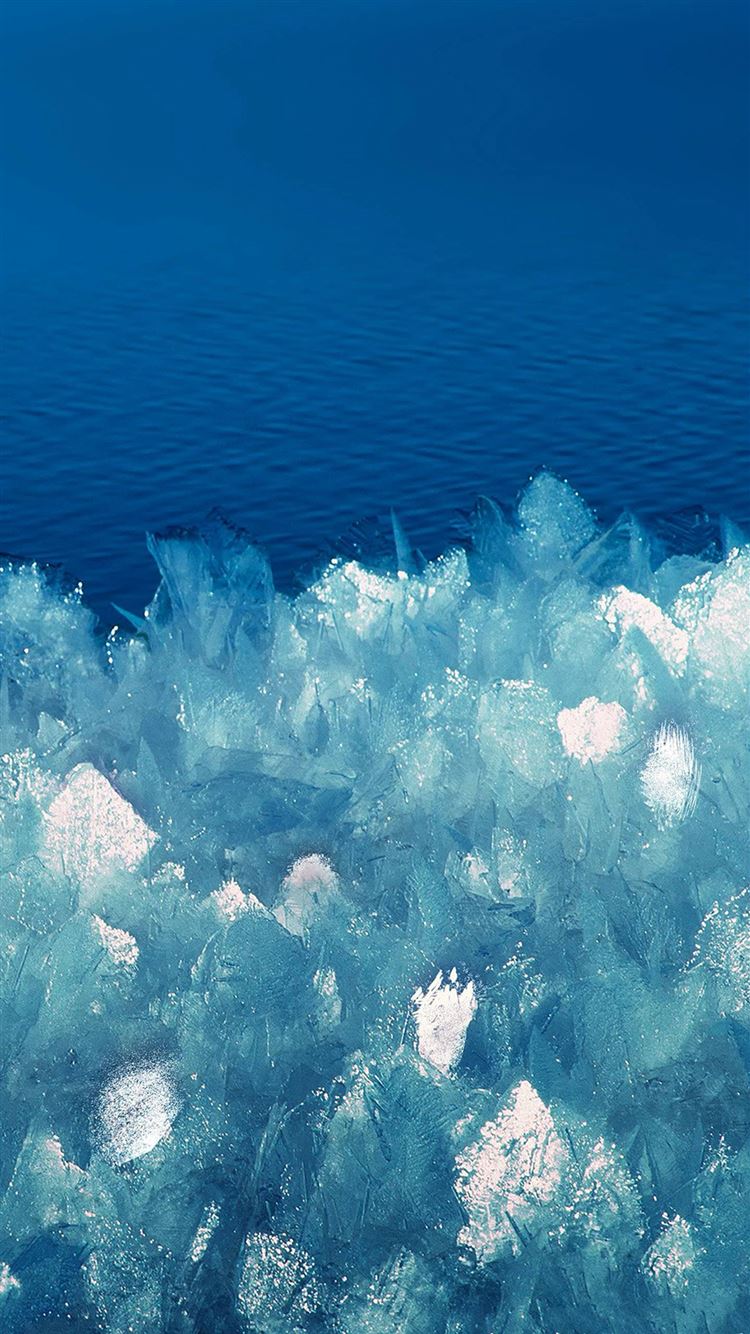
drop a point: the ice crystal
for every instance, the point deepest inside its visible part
(378, 959)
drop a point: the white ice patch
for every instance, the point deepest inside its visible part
(510, 1174)
(21, 777)
(671, 776)
(624, 610)
(204, 1232)
(8, 1282)
(90, 830)
(592, 730)
(307, 881)
(120, 945)
(443, 1014)
(277, 1279)
(362, 597)
(231, 902)
(673, 1255)
(135, 1112)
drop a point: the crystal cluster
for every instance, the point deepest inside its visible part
(377, 960)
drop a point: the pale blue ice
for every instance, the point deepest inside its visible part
(377, 960)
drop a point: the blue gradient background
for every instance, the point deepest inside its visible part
(305, 261)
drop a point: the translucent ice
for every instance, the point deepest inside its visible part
(120, 945)
(625, 610)
(309, 879)
(204, 1232)
(378, 959)
(722, 946)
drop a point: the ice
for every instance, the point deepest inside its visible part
(378, 958)
(714, 609)
(593, 729)
(671, 776)
(625, 611)
(277, 1284)
(329, 1000)
(204, 1232)
(91, 830)
(443, 1014)
(120, 945)
(722, 946)
(309, 880)
(135, 1112)
(230, 900)
(534, 1176)
(555, 522)
(672, 1257)
(8, 1281)
(510, 1174)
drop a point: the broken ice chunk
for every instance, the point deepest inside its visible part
(402, 1296)
(277, 1279)
(671, 776)
(510, 852)
(606, 1200)
(510, 1174)
(592, 730)
(625, 610)
(443, 1014)
(307, 881)
(673, 1255)
(120, 945)
(89, 829)
(472, 872)
(135, 1112)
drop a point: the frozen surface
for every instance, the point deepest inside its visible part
(379, 959)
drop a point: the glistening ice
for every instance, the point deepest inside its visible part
(377, 960)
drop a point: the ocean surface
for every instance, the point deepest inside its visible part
(308, 262)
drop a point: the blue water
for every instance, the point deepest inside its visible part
(307, 261)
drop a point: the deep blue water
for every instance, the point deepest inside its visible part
(305, 261)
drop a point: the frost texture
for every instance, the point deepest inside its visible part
(671, 776)
(511, 1175)
(379, 959)
(135, 1112)
(443, 1013)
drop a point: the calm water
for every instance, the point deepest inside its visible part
(305, 262)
